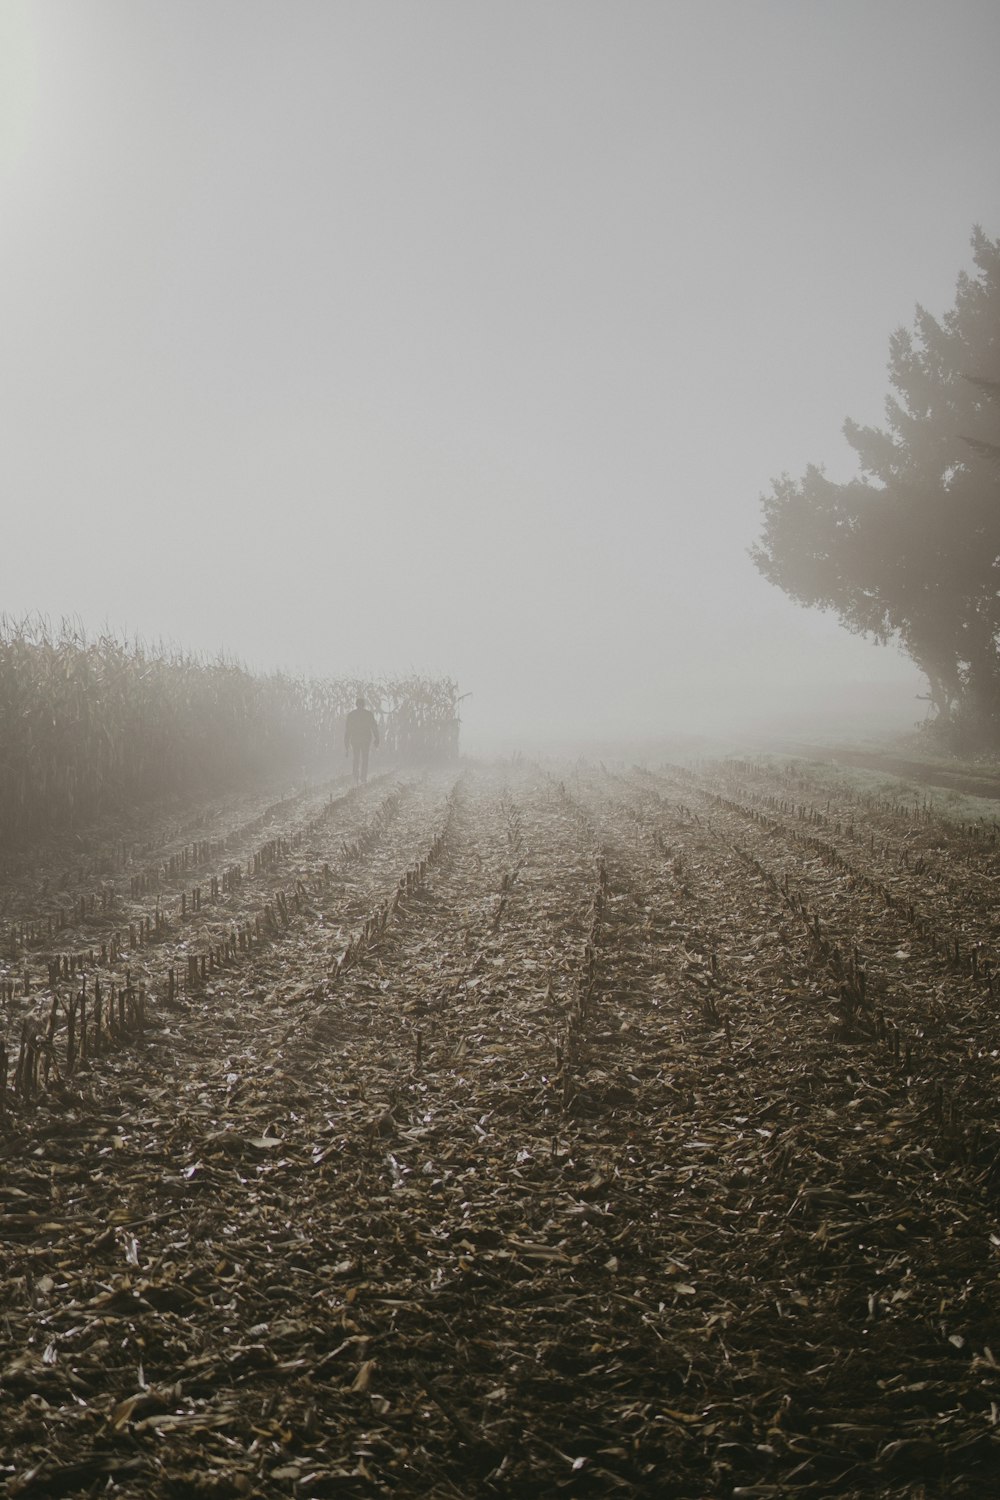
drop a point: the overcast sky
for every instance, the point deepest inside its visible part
(464, 335)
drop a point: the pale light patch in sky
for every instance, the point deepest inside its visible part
(360, 336)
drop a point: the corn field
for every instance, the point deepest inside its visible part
(89, 727)
(506, 1129)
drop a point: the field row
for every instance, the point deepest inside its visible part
(582, 1133)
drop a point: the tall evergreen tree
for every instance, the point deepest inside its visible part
(910, 550)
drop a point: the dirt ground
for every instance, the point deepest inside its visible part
(513, 1132)
(969, 783)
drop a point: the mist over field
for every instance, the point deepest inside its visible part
(356, 338)
(495, 997)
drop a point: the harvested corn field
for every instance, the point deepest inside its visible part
(506, 1130)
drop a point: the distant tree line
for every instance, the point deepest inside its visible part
(910, 550)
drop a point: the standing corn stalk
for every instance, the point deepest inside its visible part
(87, 726)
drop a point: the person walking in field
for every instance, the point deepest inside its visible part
(360, 736)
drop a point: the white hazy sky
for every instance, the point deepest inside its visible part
(464, 335)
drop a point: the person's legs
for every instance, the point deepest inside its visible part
(364, 763)
(357, 762)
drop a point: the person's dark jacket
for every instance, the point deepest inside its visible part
(361, 728)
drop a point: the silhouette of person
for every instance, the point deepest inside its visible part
(360, 735)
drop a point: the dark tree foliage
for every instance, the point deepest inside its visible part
(910, 550)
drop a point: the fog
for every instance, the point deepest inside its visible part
(366, 337)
